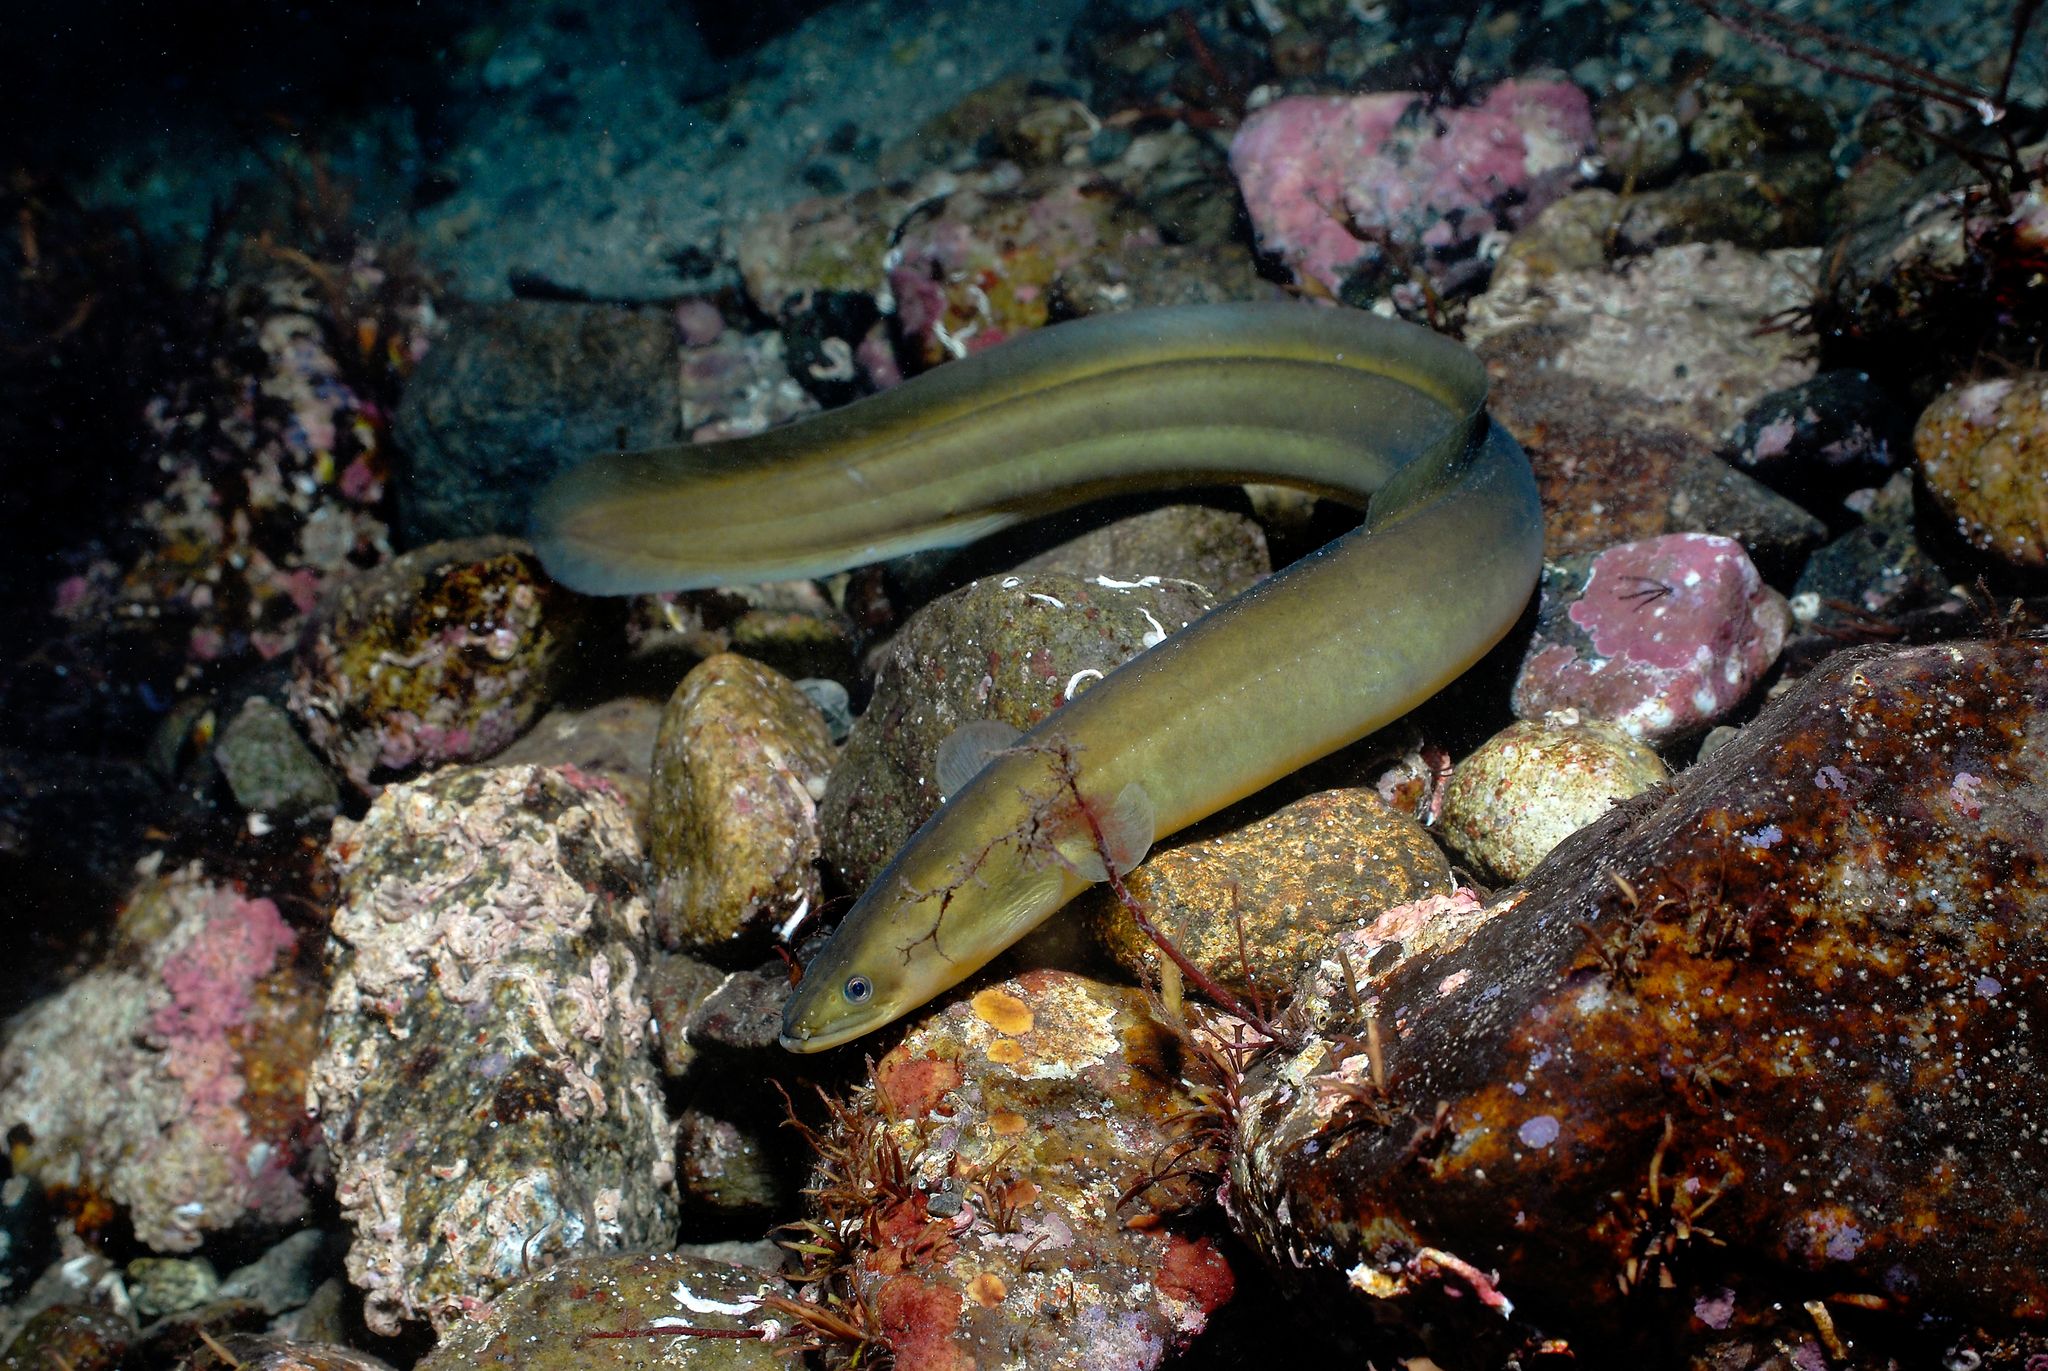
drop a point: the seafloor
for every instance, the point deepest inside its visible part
(402, 921)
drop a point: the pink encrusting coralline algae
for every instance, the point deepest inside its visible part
(170, 1079)
(1662, 637)
(1335, 183)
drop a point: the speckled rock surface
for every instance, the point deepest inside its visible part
(738, 383)
(1535, 783)
(255, 1352)
(979, 267)
(1779, 203)
(1157, 274)
(733, 822)
(1930, 269)
(1983, 452)
(1023, 1114)
(483, 1079)
(270, 769)
(519, 391)
(170, 1285)
(1859, 582)
(1215, 548)
(1672, 337)
(723, 1170)
(612, 742)
(169, 1081)
(1821, 440)
(566, 1319)
(443, 655)
(1662, 637)
(1329, 861)
(69, 1335)
(1339, 185)
(1012, 648)
(1604, 482)
(1787, 1053)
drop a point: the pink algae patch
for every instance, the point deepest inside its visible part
(1193, 1270)
(919, 1320)
(1677, 630)
(1314, 169)
(911, 1087)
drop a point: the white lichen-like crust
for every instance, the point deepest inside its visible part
(483, 1075)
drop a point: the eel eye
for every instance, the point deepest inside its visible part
(857, 989)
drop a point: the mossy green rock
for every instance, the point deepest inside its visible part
(570, 1317)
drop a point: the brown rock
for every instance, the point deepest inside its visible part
(738, 769)
(1983, 452)
(1771, 1036)
(1023, 1116)
(1331, 861)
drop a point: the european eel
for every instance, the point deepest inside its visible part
(1340, 402)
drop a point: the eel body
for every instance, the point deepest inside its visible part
(1341, 643)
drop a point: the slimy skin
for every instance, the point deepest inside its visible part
(1339, 644)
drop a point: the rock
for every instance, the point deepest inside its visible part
(483, 1077)
(1673, 341)
(1662, 637)
(69, 1336)
(1012, 648)
(1778, 203)
(269, 767)
(571, 1316)
(169, 1080)
(611, 742)
(1329, 861)
(1181, 181)
(285, 1277)
(171, 1285)
(1574, 233)
(826, 244)
(253, 1352)
(1358, 192)
(979, 266)
(445, 655)
(741, 1014)
(1983, 452)
(1819, 441)
(1534, 784)
(88, 1282)
(1604, 483)
(1748, 125)
(724, 1172)
(792, 626)
(27, 1237)
(1022, 1116)
(676, 984)
(833, 703)
(739, 383)
(733, 821)
(1861, 582)
(1641, 135)
(519, 391)
(1146, 275)
(1217, 549)
(1731, 1044)
(1937, 271)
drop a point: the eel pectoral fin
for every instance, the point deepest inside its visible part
(969, 748)
(1128, 828)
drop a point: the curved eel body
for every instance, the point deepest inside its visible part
(1339, 644)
